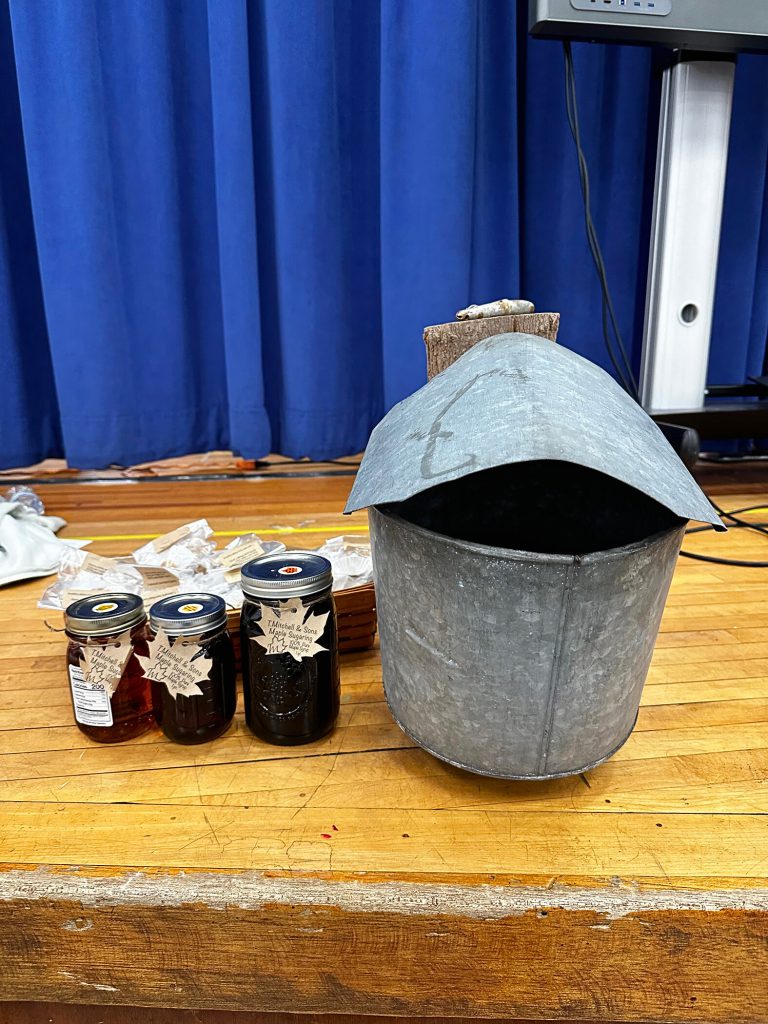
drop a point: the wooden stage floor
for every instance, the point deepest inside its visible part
(151, 874)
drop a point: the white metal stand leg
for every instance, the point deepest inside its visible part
(685, 234)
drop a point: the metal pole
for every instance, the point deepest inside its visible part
(685, 234)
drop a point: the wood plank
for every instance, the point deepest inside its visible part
(60, 1013)
(698, 671)
(714, 690)
(370, 728)
(699, 638)
(723, 782)
(711, 727)
(448, 842)
(308, 946)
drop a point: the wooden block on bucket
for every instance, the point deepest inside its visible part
(446, 342)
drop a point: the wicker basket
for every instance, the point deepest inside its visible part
(356, 611)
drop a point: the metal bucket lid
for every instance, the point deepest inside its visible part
(519, 398)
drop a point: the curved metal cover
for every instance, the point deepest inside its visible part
(519, 398)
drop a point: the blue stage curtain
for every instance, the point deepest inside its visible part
(225, 223)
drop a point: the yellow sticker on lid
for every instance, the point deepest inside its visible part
(104, 607)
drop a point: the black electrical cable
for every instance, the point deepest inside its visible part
(306, 462)
(625, 375)
(757, 527)
(725, 561)
(744, 524)
(753, 455)
(607, 308)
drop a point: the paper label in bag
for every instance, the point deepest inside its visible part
(103, 664)
(154, 594)
(179, 666)
(73, 594)
(167, 540)
(97, 564)
(233, 559)
(156, 576)
(286, 632)
(91, 701)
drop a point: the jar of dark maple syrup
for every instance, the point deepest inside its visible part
(110, 694)
(196, 623)
(289, 647)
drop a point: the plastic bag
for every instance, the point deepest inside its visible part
(24, 495)
(187, 561)
(351, 561)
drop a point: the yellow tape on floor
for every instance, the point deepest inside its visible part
(343, 528)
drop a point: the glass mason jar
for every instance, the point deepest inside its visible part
(289, 647)
(119, 707)
(198, 621)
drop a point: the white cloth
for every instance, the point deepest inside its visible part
(29, 546)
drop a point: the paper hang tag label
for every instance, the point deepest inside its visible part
(286, 632)
(103, 665)
(233, 559)
(97, 564)
(155, 576)
(167, 540)
(153, 594)
(179, 666)
(73, 594)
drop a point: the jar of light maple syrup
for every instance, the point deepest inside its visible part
(110, 694)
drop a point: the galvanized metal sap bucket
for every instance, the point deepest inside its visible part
(526, 517)
(514, 663)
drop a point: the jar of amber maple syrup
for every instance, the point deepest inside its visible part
(195, 694)
(110, 694)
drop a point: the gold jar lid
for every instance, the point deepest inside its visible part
(104, 614)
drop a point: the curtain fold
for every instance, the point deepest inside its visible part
(224, 223)
(236, 223)
(740, 321)
(119, 152)
(449, 171)
(315, 69)
(30, 428)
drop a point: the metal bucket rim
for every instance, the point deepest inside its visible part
(505, 776)
(516, 555)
